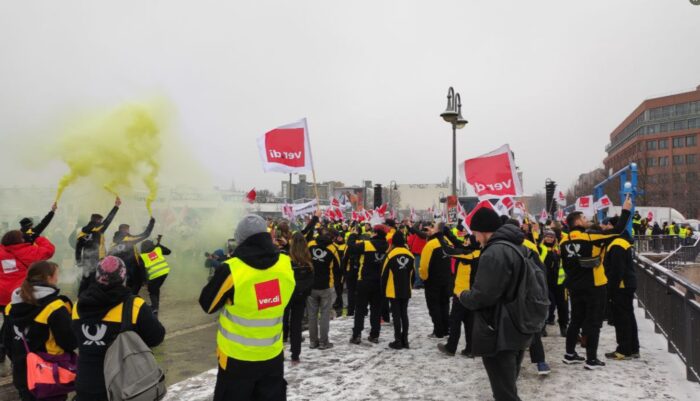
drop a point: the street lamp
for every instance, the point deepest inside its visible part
(453, 115)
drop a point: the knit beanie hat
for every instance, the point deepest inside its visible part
(111, 270)
(248, 226)
(485, 220)
(26, 223)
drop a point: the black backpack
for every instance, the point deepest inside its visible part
(529, 307)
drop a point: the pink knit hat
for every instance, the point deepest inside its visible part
(111, 270)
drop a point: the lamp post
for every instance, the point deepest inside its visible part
(453, 115)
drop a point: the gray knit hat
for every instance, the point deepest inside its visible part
(248, 226)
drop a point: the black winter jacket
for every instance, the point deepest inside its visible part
(97, 320)
(494, 285)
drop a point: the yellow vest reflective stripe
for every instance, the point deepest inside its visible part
(543, 252)
(155, 263)
(562, 274)
(250, 329)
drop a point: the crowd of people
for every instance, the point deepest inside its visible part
(282, 273)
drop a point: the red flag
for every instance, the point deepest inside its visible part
(560, 215)
(650, 216)
(286, 149)
(250, 196)
(483, 203)
(335, 202)
(339, 214)
(493, 173)
(382, 209)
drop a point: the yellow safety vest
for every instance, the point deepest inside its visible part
(155, 264)
(250, 329)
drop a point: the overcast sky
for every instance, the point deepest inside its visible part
(551, 78)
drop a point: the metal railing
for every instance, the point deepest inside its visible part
(686, 253)
(672, 302)
(656, 243)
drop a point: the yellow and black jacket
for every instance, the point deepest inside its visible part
(97, 320)
(372, 253)
(397, 274)
(467, 266)
(435, 264)
(46, 327)
(125, 248)
(324, 257)
(619, 266)
(90, 244)
(583, 253)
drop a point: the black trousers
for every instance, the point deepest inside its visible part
(351, 282)
(626, 331)
(386, 311)
(460, 316)
(368, 294)
(536, 349)
(251, 381)
(503, 370)
(296, 315)
(338, 304)
(154, 291)
(559, 301)
(437, 296)
(587, 314)
(399, 311)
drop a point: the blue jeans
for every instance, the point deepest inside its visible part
(417, 282)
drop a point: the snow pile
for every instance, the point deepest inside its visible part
(376, 372)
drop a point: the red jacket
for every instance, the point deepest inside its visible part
(16, 259)
(416, 244)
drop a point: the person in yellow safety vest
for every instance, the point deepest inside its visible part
(250, 292)
(467, 258)
(157, 269)
(672, 229)
(636, 223)
(549, 255)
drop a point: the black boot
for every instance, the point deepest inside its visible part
(396, 344)
(404, 340)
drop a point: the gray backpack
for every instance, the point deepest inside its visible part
(131, 372)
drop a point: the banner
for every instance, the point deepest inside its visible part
(288, 211)
(286, 149)
(603, 203)
(301, 209)
(493, 174)
(543, 216)
(519, 208)
(504, 205)
(561, 198)
(560, 215)
(585, 205)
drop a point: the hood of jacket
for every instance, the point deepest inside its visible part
(24, 313)
(509, 233)
(98, 299)
(258, 251)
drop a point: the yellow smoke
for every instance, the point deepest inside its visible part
(115, 149)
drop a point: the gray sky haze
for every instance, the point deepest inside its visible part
(551, 78)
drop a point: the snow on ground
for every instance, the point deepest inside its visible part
(376, 372)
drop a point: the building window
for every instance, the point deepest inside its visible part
(651, 179)
(651, 129)
(663, 127)
(663, 161)
(691, 176)
(663, 143)
(678, 160)
(691, 159)
(651, 145)
(651, 161)
(679, 142)
(677, 177)
(690, 140)
(694, 123)
(679, 125)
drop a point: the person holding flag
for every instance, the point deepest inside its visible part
(582, 255)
